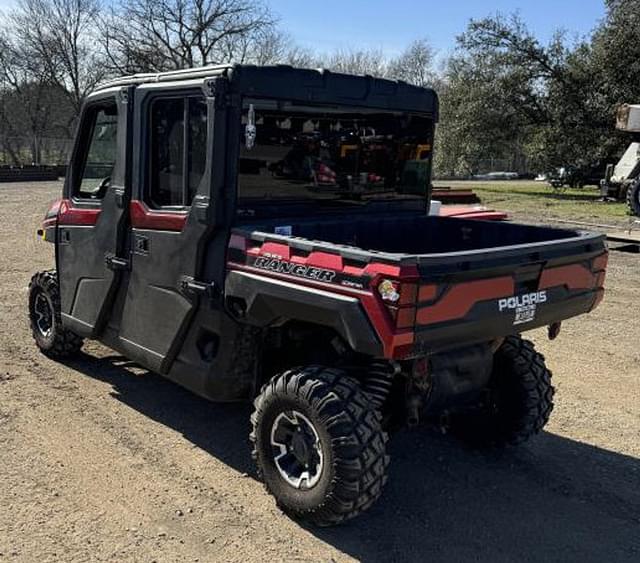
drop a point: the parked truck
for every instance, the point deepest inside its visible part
(261, 234)
(622, 181)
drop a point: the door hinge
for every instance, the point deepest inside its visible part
(119, 197)
(201, 207)
(114, 263)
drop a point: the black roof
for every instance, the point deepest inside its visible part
(304, 85)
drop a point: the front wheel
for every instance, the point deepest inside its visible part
(319, 445)
(44, 316)
(519, 398)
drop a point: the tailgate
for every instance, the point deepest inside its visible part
(479, 295)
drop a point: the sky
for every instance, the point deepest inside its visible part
(389, 25)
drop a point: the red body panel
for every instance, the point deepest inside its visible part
(70, 215)
(427, 304)
(142, 217)
(472, 212)
(393, 340)
(64, 212)
(574, 276)
(459, 299)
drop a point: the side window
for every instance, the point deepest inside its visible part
(177, 150)
(100, 136)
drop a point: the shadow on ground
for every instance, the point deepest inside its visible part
(553, 500)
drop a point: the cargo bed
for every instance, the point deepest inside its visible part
(468, 280)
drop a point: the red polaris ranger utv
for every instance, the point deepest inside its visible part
(262, 234)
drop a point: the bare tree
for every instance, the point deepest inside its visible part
(158, 35)
(357, 61)
(31, 105)
(266, 46)
(301, 57)
(61, 35)
(415, 65)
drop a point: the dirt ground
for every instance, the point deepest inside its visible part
(102, 461)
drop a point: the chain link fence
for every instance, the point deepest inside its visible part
(517, 164)
(42, 151)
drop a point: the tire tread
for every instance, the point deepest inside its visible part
(65, 342)
(359, 443)
(520, 371)
(633, 198)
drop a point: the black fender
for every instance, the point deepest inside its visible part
(263, 302)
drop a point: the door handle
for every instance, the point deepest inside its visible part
(65, 236)
(141, 244)
(114, 263)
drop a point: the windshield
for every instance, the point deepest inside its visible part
(297, 152)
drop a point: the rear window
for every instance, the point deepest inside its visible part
(299, 152)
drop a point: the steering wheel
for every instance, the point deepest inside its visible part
(102, 188)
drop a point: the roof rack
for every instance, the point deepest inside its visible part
(169, 76)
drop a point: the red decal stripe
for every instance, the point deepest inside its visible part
(574, 276)
(427, 292)
(82, 216)
(272, 249)
(325, 260)
(600, 262)
(469, 212)
(460, 299)
(144, 218)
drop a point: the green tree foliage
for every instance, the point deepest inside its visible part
(507, 96)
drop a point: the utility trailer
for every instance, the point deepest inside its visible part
(263, 235)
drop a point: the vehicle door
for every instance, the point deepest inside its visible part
(171, 220)
(93, 215)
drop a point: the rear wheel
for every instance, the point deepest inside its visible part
(318, 444)
(44, 315)
(519, 399)
(633, 197)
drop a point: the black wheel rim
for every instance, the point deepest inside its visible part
(297, 450)
(43, 314)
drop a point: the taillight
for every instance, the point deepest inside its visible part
(400, 299)
(389, 291)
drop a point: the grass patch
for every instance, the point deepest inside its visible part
(540, 201)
